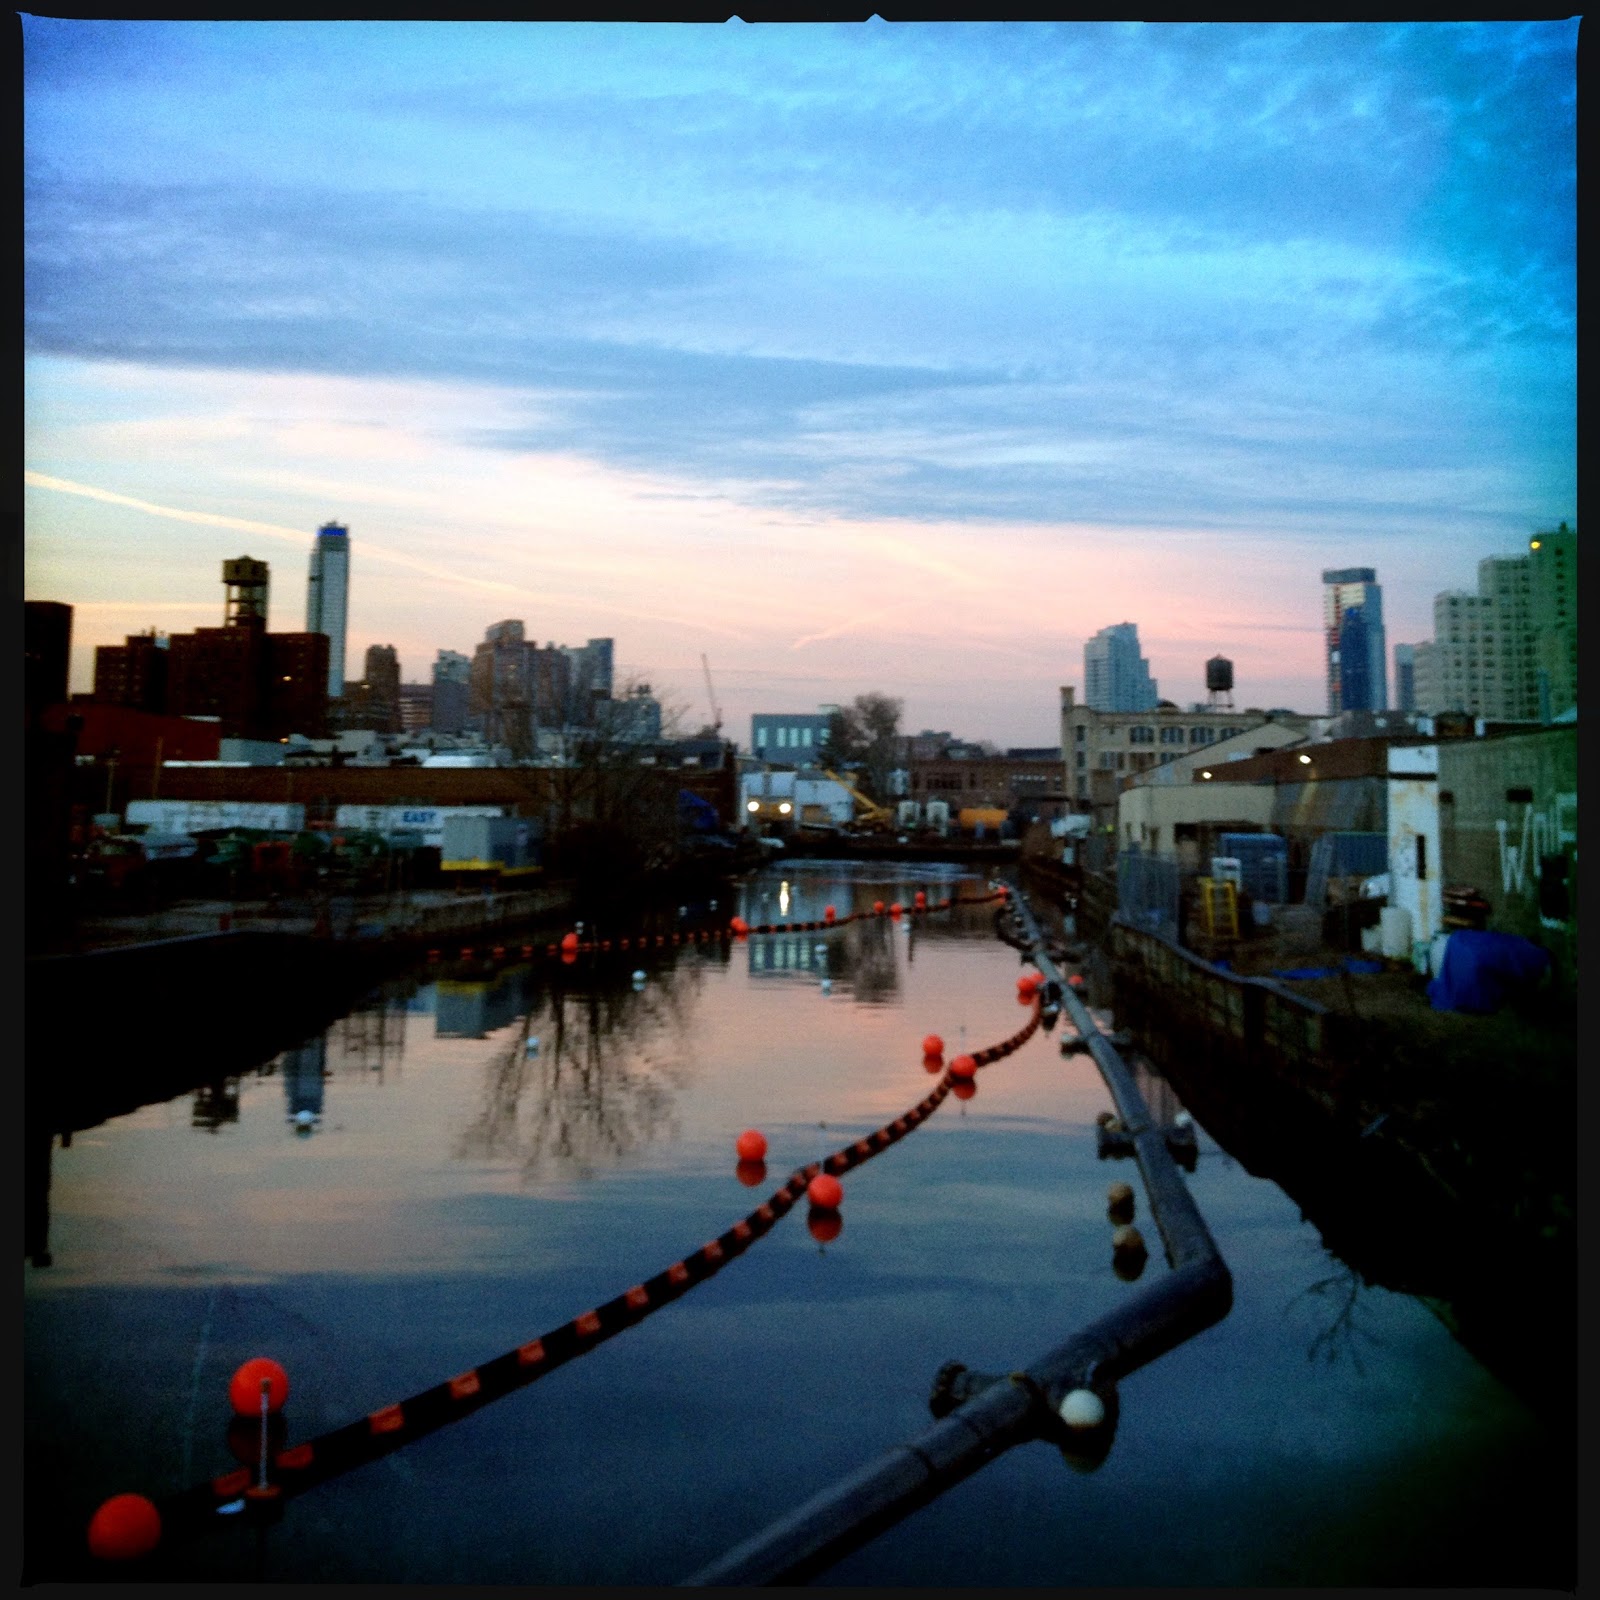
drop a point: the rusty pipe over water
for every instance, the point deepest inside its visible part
(1195, 1294)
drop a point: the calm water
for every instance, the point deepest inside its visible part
(459, 1195)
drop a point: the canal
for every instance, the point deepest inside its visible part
(466, 1162)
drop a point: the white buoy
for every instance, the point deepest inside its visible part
(1182, 1120)
(533, 1044)
(827, 985)
(713, 905)
(820, 949)
(638, 976)
(304, 1119)
(1082, 1408)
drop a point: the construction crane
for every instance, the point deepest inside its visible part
(711, 695)
(869, 814)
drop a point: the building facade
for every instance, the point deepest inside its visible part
(328, 597)
(132, 674)
(1358, 681)
(794, 738)
(1116, 677)
(452, 693)
(1553, 618)
(1104, 750)
(1405, 677)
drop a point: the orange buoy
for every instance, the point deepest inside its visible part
(919, 899)
(896, 909)
(750, 1173)
(963, 1067)
(125, 1527)
(569, 958)
(569, 941)
(739, 926)
(933, 1045)
(244, 1387)
(877, 908)
(825, 1224)
(751, 1145)
(1076, 980)
(825, 1191)
(933, 1063)
(827, 913)
(963, 1088)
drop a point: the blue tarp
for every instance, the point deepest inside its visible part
(1482, 971)
(695, 813)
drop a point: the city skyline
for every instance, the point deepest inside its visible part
(894, 357)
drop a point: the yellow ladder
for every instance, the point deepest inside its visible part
(1219, 901)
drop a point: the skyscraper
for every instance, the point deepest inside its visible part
(452, 675)
(1405, 677)
(1116, 676)
(1343, 589)
(328, 596)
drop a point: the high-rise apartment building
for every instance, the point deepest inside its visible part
(1116, 677)
(1359, 683)
(1405, 677)
(1509, 652)
(328, 597)
(452, 679)
(1553, 617)
(256, 684)
(589, 679)
(133, 673)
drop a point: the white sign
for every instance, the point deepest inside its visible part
(425, 820)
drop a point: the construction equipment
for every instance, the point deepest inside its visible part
(711, 695)
(869, 814)
(1219, 905)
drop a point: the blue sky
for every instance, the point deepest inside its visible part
(878, 356)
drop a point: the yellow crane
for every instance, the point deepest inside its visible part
(869, 814)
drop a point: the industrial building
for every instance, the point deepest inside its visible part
(1104, 749)
(793, 736)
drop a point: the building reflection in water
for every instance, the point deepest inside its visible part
(473, 1010)
(215, 1104)
(305, 1070)
(860, 957)
(589, 1076)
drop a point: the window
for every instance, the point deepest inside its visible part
(1141, 735)
(1202, 735)
(1108, 760)
(1082, 760)
(805, 737)
(761, 738)
(783, 738)
(1078, 733)
(1172, 736)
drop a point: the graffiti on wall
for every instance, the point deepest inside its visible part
(1539, 853)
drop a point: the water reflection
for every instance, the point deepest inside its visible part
(304, 1070)
(215, 1105)
(1336, 1299)
(474, 1010)
(599, 1084)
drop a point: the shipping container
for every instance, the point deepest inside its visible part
(216, 816)
(424, 821)
(505, 847)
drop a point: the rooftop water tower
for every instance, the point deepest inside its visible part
(1219, 683)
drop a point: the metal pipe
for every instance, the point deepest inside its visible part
(1195, 1294)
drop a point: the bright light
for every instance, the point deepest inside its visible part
(1533, 544)
(784, 808)
(1305, 760)
(752, 805)
(1206, 774)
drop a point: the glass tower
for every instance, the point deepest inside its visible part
(1116, 677)
(1344, 589)
(328, 596)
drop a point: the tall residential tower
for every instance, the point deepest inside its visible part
(1358, 678)
(328, 596)
(1116, 677)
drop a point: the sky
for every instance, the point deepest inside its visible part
(858, 357)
